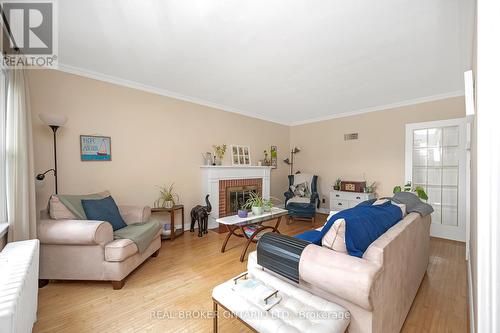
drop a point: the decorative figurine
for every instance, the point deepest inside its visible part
(200, 213)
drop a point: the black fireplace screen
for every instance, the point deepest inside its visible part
(236, 197)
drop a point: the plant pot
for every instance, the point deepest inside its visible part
(242, 213)
(267, 208)
(336, 188)
(257, 211)
(218, 161)
(169, 204)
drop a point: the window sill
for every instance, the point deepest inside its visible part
(4, 226)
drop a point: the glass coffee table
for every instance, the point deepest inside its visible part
(250, 227)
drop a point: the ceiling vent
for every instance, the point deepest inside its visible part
(350, 136)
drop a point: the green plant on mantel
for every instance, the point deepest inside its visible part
(220, 150)
(419, 190)
(168, 197)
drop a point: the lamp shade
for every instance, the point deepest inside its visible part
(53, 119)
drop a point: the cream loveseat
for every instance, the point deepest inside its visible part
(377, 289)
(85, 250)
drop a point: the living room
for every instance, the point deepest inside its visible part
(248, 167)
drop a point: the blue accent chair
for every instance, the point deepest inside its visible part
(302, 207)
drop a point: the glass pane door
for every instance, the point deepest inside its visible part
(435, 167)
(436, 160)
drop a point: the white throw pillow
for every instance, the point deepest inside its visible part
(334, 239)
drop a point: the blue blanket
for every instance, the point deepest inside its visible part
(364, 224)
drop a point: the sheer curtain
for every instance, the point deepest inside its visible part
(20, 181)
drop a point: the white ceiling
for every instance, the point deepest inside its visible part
(288, 61)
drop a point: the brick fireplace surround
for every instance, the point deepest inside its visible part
(224, 184)
(216, 179)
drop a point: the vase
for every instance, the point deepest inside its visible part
(218, 161)
(257, 210)
(242, 213)
(169, 204)
(267, 208)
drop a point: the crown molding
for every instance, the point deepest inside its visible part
(150, 89)
(408, 102)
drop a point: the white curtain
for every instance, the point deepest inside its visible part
(20, 189)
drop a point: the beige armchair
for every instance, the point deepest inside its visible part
(85, 250)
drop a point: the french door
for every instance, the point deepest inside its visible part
(436, 160)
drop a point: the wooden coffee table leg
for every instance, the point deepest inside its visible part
(250, 239)
(229, 234)
(276, 226)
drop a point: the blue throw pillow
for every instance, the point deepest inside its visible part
(104, 210)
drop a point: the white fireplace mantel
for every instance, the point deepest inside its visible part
(212, 174)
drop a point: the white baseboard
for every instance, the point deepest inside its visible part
(471, 294)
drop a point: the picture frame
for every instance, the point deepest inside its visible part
(240, 155)
(95, 148)
(274, 157)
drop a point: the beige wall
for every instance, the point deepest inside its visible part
(378, 154)
(155, 139)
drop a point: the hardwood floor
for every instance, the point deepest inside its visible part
(172, 293)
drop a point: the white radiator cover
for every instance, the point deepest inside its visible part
(19, 286)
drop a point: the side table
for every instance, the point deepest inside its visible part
(173, 232)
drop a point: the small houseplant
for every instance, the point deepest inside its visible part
(419, 191)
(167, 198)
(370, 188)
(256, 203)
(242, 212)
(220, 151)
(337, 184)
(267, 204)
(266, 161)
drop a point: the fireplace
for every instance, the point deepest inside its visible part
(236, 196)
(217, 179)
(234, 192)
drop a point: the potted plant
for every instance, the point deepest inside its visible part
(167, 198)
(370, 188)
(266, 161)
(267, 204)
(242, 212)
(419, 191)
(219, 152)
(337, 184)
(256, 203)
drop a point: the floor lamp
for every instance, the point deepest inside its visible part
(289, 161)
(54, 122)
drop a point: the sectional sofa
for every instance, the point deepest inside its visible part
(377, 289)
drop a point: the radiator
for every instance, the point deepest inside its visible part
(19, 286)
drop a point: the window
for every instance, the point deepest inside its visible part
(3, 113)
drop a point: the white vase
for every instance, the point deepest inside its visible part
(257, 210)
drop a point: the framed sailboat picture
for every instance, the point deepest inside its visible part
(95, 148)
